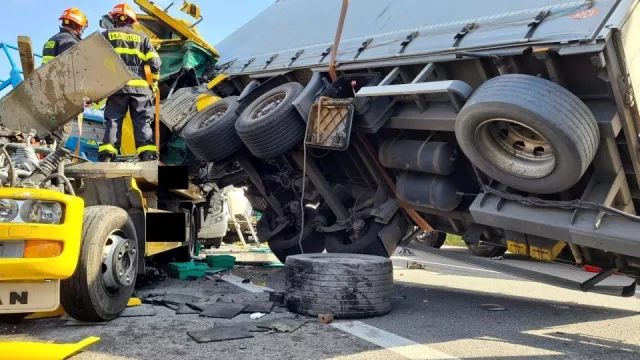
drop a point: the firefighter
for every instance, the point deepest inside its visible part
(136, 51)
(74, 22)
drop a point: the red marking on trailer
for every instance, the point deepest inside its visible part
(585, 14)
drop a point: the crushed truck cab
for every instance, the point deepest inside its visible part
(40, 239)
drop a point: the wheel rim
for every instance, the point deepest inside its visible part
(219, 112)
(268, 105)
(118, 262)
(515, 148)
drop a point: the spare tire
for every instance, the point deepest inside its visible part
(346, 285)
(528, 133)
(271, 125)
(211, 134)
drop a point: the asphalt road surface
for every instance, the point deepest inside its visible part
(438, 314)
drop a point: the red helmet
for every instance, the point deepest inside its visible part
(123, 12)
(74, 15)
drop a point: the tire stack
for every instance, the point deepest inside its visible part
(346, 285)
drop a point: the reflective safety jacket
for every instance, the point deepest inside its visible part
(58, 44)
(136, 51)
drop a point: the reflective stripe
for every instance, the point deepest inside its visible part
(155, 76)
(138, 83)
(108, 148)
(46, 59)
(152, 55)
(144, 148)
(138, 53)
(127, 51)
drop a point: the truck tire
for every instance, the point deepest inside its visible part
(95, 291)
(347, 285)
(211, 134)
(528, 133)
(271, 125)
(487, 250)
(286, 242)
(434, 239)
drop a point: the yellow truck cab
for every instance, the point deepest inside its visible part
(77, 239)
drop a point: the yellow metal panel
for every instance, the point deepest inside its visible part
(43, 351)
(217, 80)
(179, 27)
(205, 100)
(46, 315)
(547, 254)
(518, 248)
(69, 233)
(154, 248)
(134, 302)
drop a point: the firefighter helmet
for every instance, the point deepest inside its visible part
(74, 15)
(123, 12)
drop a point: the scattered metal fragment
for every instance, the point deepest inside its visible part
(406, 252)
(74, 322)
(143, 310)
(180, 299)
(283, 325)
(258, 306)
(222, 310)
(493, 307)
(220, 334)
(187, 310)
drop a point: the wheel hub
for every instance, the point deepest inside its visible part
(118, 264)
(268, 105)
(515, 148)
(214, 117)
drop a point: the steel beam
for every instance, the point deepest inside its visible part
(257, 181)
(322, 185)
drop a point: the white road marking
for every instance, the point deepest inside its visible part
(392, 342)
(251, 287)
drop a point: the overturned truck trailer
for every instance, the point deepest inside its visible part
(511, 123)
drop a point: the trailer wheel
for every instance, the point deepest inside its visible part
(211, 134)
(271, 125)
(347, 285)
(434, 239)
(286, 243)
(528, 133)
(487, 250)
(106, 274)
